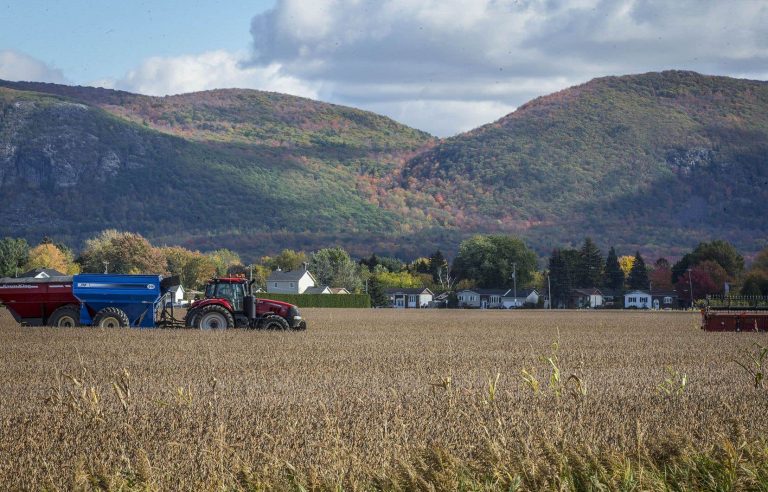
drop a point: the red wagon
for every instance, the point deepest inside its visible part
(735, 313)
(40, 301)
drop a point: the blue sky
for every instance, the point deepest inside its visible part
(444, 66)
(96, 39)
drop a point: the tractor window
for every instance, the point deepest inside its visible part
(234, 293)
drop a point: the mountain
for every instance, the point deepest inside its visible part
(247, 169)
(655, 162)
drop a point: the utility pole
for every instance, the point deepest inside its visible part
(514, 280)
(690, 284)
(106, 266)
(250, 272)
(549, 291)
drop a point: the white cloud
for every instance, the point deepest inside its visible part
(18, 66)
(407, 58)
(159, 76)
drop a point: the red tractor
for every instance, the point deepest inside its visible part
(230, 303)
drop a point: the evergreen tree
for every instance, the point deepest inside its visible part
(560, 278)
(613, 275)
(591, 264)
(638, 276)
(376, 291)
(437, 265)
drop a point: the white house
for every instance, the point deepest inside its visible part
(524, 296)
(291, 282)
(481, 298)
(638, 299)
(177, 294)
(409, 298)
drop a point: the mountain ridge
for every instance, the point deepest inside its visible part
(653, 161)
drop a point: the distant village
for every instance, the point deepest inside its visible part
(487, 272)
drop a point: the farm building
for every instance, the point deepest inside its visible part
(290, 282)
(638, 299)
(525, 297)
(409, 298)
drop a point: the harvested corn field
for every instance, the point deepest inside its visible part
(388, 399)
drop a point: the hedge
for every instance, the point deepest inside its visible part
(322, 300)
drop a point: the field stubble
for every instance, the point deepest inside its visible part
(385, 399)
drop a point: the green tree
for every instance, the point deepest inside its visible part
(287, 260)
(122, 252)
(224, 260)
(638, 276)
(438, 265)
(376, 291)
(722, 252)
(489, 260)
(613, 275)
(560, 278)
(192, 267)
(591, 265)
(14, 254)
(756, 279)
(334, 267)
(398, 279)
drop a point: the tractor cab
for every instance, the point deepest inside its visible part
(232, 290)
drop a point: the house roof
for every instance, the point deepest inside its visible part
(339, 290)
(487, 292)
(412, 291)
(636, 291)
(324, 289)
(42, 273)
(521, 293)
(587, 292)
(664, 293)
(289, 276)
(176, 288)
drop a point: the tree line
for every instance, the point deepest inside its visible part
(482, 261)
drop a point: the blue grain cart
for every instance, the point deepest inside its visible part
(112, 301)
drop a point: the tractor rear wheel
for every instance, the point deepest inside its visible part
(111, 317)
(274, 322)
(190, 320)
(65, 317)
(215, 318)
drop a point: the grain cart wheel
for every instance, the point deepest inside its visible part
(274, 322)
(111, 317)
(65, 317)
(215, 318)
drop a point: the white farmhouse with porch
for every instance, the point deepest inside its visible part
(639, 299)
(409, 298)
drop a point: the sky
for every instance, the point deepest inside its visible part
(443, 66)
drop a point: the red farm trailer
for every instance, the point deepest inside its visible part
(41, 301)
(735, 313)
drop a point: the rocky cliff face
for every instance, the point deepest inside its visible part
(49, 145)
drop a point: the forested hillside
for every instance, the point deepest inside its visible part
(652, 162)
(643, 161)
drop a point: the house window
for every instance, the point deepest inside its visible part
(667, 300)
(275, 284)
(411, 298)
(643, 299)
(291, 284)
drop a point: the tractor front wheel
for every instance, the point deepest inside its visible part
(274, 322)
(111, 317)
(215, 318)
